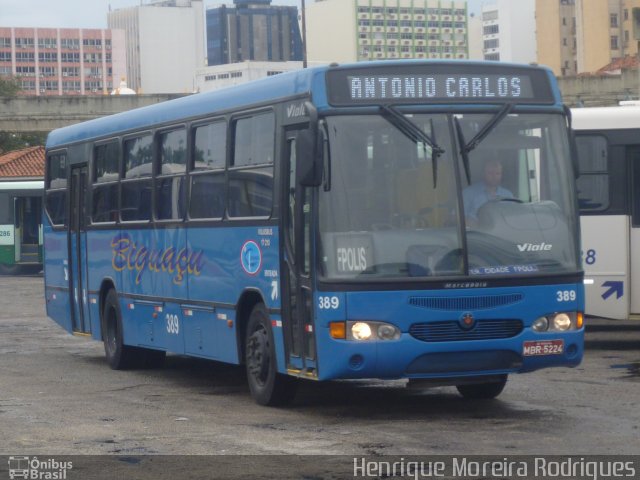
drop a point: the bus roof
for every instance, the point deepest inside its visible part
(299, 82)
(609, 118)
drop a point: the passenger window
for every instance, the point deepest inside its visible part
(136, 187)
(210, 146)
(105, 187)
(171, 199)
(208, 179)
(254, 140)
(56, 196)
(250, 191)
(138, 155)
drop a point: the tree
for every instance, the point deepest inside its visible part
(9, 86)
(15, 141)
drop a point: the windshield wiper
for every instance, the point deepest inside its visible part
(480, 136)
(416, 134)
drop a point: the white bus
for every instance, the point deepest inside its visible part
(608, 140)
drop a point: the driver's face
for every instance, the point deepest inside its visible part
(493, 174)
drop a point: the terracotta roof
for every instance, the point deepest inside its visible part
(620, 64)
(26, 162)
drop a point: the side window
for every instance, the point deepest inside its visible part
(171, 192)
(106, 160)
(593, 183)
(56, 188)
(136, 186)
(251, 170)
(208, 180)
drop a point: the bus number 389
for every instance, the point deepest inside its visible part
(173, 324)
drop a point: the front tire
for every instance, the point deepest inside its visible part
(483, 391)
(267, 386)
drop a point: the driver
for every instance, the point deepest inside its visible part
(489, 188)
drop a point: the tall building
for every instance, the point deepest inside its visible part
(577, 36)
(509, 31)
(556, 36)
(253, 30)
(357, 30)
(63, 61)
(165, 44)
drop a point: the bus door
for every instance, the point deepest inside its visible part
(633, 153)
(27, 221)
(297, 292)
(78, 250)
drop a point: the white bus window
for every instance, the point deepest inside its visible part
(593, 183)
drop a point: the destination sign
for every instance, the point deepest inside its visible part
(443, 84)
(410, 87)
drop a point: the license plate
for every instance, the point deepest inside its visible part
(543, 347)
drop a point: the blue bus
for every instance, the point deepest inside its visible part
(326, 224)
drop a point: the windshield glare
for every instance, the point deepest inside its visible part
(397, 209)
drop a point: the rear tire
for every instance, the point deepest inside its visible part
(268, 387)
(483, 391)
(119, 355)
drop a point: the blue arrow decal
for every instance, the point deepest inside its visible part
(614, 287)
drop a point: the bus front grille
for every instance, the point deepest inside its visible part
(451, 331)
(466, 303)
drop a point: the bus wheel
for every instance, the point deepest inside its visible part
(483, 391)
(267, 386)
(119, 356)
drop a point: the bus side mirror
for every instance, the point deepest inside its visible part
(309, 167)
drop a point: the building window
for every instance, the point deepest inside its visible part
(493, 43)
(564, 42)
(614, 42)
(491, 29)
(626, 14)
(613, 20)
(493, 57)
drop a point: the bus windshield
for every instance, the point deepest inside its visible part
(402, 206)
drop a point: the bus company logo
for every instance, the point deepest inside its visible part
(467, 322)
(296, 110)
(251, 257)
(33, 468)
(127, 255)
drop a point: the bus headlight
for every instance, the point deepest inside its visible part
(361, 331)
(561, 322)
(371, 331)
(541, 324)
(558, 322)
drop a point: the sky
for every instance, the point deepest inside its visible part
(93, 13)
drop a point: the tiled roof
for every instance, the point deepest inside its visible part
(620, 64)
(27, 162)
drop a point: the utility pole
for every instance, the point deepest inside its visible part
(304, 36)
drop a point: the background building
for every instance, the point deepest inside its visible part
(356, 30)
(556, 36)
(253, 30)
(221, 76)
(63, 61)
(509, 31)
(583, 36)
(165, 44)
